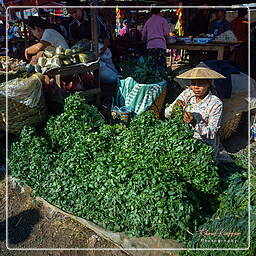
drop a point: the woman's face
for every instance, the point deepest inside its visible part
(37, 32)
(200, 87)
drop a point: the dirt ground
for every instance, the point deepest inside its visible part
(33, 226)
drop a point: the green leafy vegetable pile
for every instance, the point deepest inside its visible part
(142, 71)
(229, 225)
(144, 180)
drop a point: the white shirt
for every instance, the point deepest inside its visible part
(54, 38)
(207, 114)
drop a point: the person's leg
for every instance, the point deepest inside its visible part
(152, 55)
(162, 59)
(157, 57)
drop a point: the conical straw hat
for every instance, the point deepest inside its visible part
(200, 72)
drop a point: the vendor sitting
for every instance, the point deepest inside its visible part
(46, 35)
(202, 109)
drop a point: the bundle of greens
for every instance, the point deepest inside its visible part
(142, 71)
(144, 180)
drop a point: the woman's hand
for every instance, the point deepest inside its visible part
(188, 118)
(180, 103)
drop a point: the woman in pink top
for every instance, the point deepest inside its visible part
(154, 32)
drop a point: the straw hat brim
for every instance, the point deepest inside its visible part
(200, 73)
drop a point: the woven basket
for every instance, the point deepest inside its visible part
(158, 103)
(228, 128)
(20, 115)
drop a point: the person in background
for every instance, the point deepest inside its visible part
(12, 50)
(11, 32)
(155, 33)
(47, 36)
(202, 109)
(80, 26)
(2, 32)
(61, 27)
(220, 24)
(240, 25)
(17, 30)
(199, 23)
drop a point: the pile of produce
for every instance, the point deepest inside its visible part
(57, 57)
(149, 179)
(142, 71)
(12, 64)
(228, 227)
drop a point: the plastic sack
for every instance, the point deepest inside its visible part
(122, 114)
(226, 36)
(26, 91)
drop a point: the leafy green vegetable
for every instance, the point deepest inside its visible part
(142, 71)
(148, 179)
(228, 227)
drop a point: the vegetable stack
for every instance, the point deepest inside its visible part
(143, 180)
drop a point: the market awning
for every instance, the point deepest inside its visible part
(27, 13)
(31, 3)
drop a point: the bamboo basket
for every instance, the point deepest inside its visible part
(229, 127)
(20, 115)
(157, 105)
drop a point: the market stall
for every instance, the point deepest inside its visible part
(136, 179)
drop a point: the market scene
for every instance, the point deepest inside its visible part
(127, 127)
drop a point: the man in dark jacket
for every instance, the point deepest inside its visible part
(80, 26)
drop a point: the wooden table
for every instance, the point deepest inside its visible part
(219, 47)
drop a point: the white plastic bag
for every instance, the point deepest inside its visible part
(26, 91)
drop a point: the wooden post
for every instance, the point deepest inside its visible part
(220, 53)
(94, 28)
(23, 19)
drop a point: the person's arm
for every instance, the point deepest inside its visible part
(208, 129)
(34, 49)
(144, 33)
(104, 34)
(182, 98)
(210, 29)
(166, 29)
(105, 45)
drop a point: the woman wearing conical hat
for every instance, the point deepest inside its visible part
(202, 109)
